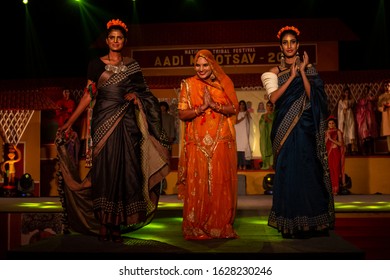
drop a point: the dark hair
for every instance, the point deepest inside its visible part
(165, 104)
(116, 27)
(243, 101)
(289, 31)
(384, 85)
(332, 118)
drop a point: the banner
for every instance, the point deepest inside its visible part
(242, 56)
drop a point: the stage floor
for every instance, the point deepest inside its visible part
(162, 239)
(343, 203)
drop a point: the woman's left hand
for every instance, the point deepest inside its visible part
(131, 96)
(305, 62)
(206, 98)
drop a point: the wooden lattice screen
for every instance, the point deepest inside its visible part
(334, 92)
(13, 124)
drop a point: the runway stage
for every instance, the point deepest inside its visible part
(359, 218)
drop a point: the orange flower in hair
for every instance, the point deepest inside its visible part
(293, 28)
(117, 22)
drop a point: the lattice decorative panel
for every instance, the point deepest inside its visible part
(13, 124)
(334, 92)
(76, 94)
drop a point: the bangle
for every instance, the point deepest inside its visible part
(234, 109)
(218, 107)
(196, 111)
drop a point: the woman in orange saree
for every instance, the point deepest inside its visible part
(207, 171)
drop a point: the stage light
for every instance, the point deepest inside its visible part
(26, 185)
(268, 183)
(344, 189)
(25, 2)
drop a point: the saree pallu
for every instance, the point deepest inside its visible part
(130, 157)
(302, 192)
(207, 171)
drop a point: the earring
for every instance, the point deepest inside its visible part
(282, 61)
(298, 61)
(212, 76)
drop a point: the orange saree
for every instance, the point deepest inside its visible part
(207, 172)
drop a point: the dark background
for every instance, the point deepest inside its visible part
(52, 38)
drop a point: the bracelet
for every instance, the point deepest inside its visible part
(218, 107)
(197, 112)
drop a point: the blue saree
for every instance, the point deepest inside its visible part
(302, 193)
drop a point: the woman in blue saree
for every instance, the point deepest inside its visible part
(303, 203)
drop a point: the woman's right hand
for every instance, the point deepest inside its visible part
(206, 100)
(294, 68)
(65, 127)
(206, 97)
(131, 96)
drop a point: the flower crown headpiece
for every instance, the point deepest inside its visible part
(293, 28)
(117, 22)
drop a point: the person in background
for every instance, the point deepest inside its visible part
(242, 127)
(249, 106)
(65, 107)
(265, 127)
(207, 172)
(261, 107)
(168, 122)
(303, 203)
(346, 121)
(169, 126)
(367, 126)
(384, 108)
(129, 148)
(336, 158)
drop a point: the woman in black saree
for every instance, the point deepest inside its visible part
(128, 151)
(303, 203)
